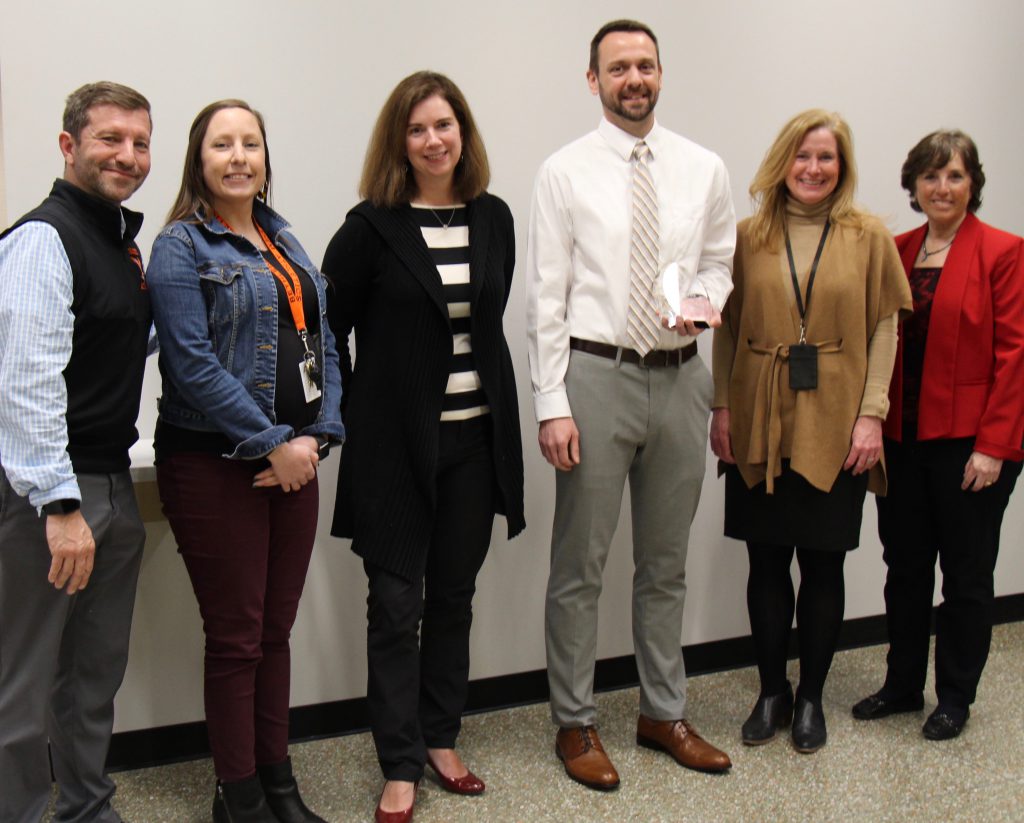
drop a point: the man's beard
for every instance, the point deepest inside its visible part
(614, 104)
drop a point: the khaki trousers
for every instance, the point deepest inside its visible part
(648, 425)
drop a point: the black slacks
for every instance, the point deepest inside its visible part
(418, 630)
(927, 515)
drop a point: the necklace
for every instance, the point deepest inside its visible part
(925, 254)
(444, 225)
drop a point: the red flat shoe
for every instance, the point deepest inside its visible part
(404, 816)
(468, 784)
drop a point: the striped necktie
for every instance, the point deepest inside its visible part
(642, 320)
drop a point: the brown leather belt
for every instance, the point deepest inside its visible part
(658, 357)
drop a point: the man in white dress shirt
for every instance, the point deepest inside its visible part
(620, 394)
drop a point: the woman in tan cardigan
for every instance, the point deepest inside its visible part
(801, 366)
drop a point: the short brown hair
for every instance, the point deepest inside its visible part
(933, 152)
(768, 188)
(76, 107)
(620, 25)
(194, 195)
(387, 180)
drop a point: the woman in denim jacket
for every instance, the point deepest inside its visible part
(251, 396)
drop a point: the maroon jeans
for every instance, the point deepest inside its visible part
(247, 551)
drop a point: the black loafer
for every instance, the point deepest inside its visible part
(809, 733)
(945, 723)
(770, 714)
(879, 705)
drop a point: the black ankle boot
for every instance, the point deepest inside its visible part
(770, 714)
(241, 801)
(282, 793)
(809, 733)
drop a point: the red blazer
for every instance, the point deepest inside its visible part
(973, 380)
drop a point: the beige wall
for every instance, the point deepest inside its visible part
(3, 181)
(319, 69)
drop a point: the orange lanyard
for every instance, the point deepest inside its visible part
(292, 289)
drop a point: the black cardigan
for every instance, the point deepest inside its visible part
(387, 288)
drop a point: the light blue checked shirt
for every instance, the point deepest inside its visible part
(36, 325)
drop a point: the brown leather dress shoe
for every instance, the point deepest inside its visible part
(680, 739)
(585, 762)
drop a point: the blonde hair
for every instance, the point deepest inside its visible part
(768, 189)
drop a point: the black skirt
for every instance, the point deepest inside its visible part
(797, 514)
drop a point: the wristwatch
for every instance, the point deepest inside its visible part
(64, 506)
(323, 446)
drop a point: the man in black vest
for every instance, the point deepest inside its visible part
(74, 326)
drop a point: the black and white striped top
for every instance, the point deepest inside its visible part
(446, 232)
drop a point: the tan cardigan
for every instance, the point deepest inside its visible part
(860, 282)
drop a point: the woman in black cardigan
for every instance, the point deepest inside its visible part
(421, 270)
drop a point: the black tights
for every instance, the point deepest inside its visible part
(819, 614)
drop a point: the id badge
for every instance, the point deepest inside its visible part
(309, 386)
(803, 366)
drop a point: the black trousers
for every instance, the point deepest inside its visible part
(927, 515)
(418, 630)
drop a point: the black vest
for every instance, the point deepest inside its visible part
(111, 327)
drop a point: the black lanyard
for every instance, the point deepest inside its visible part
(802, 304)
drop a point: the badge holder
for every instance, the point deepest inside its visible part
(309, 372)
(803, 364)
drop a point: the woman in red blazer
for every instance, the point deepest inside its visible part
(952, 437)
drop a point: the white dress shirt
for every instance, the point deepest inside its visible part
(581, 221)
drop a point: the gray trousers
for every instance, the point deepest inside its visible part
(648, 425)
(62, 659)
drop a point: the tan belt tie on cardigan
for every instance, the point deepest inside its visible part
(768, 395)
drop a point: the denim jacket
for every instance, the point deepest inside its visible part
(216, 314)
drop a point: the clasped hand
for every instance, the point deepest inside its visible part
(292, 465)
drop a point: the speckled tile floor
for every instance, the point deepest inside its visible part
(869, 771)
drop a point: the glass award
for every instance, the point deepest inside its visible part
(674, 306)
